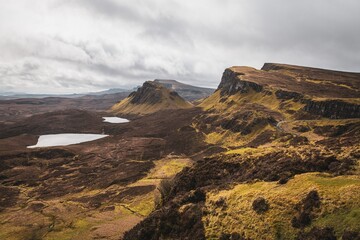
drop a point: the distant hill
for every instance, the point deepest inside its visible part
(15, 95)
(150, 98)
(14, 109)
(109, 91)
(188, 92)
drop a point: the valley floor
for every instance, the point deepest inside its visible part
(93, 190)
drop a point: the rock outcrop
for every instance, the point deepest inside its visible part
(150, 98)
(231, 83)
(335, 109)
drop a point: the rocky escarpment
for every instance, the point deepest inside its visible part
(312, 82)
(286, 95)
(148, 93)
(231, 83)
(299, 84)
(335, 109)
(250, 105)
(150, 98)
(332, 108)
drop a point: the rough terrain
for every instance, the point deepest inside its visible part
(271, 154)
(289, 164)
(91, 190)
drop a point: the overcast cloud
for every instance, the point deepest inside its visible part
(65, 46)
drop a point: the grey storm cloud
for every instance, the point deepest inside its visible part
(88, 45)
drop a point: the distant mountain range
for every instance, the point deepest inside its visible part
(16, 95)
(188, 92)
(25, 104)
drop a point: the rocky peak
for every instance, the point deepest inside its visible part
(232, 82)
(150, 92)
(150, 97)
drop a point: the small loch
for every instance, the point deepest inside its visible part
(115, 120)
(64, 139)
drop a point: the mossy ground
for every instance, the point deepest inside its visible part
(339, 206)
(75, 220)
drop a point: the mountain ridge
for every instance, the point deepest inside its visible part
(298, 79)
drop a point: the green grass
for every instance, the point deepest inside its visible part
(341, 220)
(339, 206)
(335, 182)
(76, 230)
(143, 205)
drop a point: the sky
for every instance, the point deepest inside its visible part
(74, 46)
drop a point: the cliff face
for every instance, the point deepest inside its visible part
(150, 98)
(338, 91)
(312, 82)
(149, 93)
(334, 109)
(232, 83)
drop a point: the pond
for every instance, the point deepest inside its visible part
(64, 139)
(115, 120)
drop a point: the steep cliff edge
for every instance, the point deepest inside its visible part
(326, 93)
(150, 98)
(307, 81)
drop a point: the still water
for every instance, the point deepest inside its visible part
(115, 120)
(64, 139)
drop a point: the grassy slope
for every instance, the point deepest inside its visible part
(340, 207)
(236, 102)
